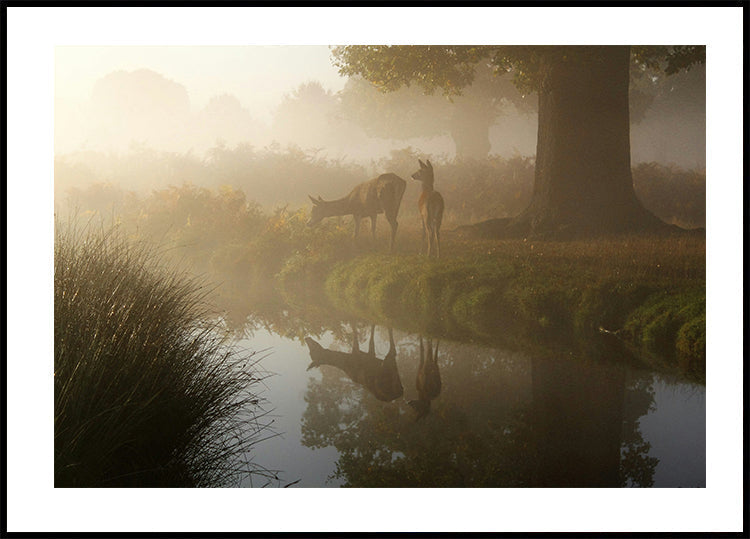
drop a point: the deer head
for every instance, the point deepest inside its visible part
(318, 211)
(425, 173)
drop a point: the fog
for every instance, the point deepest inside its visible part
(191, 99)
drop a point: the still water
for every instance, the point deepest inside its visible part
(399, 409)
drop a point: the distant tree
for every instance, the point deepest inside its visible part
(225, 118)
(308, 117)
(141, 106)
(583, 183)
(411, 112)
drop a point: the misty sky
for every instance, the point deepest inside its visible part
(257, 75)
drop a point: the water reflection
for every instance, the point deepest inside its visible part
(379, 376)
(428, 379)
(418, 408)
(502, 419)
(585, 420)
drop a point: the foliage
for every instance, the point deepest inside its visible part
(147, 392)
(196, 219)
(670, 59)
(673, 325)
(451, 68)
(391, 67)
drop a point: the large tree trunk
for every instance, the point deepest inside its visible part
(583, 184)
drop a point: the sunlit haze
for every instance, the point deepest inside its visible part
(257, 75)
(189, 98)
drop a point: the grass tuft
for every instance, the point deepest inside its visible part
(147, 391)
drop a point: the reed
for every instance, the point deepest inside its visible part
(148, 391)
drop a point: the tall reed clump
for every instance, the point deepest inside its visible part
(148, 393)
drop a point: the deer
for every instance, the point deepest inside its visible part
(430, 208)
(428, 379)
(378, 195)
(379, 376)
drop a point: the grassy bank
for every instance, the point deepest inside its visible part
(147, 393)
(650, 292)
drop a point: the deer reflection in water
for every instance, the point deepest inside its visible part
(379, 376)
(428, 378)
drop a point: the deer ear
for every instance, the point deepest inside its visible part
(313, 200)
(312, 345)
(421, 164)
(429, 165)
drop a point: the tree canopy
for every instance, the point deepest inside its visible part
(451, 68)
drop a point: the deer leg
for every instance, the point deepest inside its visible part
(424, 237)
(355, 339)
(373, 222)
(394, 228)
(392, 345)
(437, 241)
(430, 233)
(391, 216)
(371, 348)
(356, 226)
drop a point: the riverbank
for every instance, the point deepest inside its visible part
(648, 292)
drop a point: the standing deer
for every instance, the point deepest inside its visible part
(430, 208)
(428, 379)
(379, 376)
(379, 195)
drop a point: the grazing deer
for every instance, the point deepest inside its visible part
(379, 195)
(428, 379)
(379, 376)
(430, 208)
